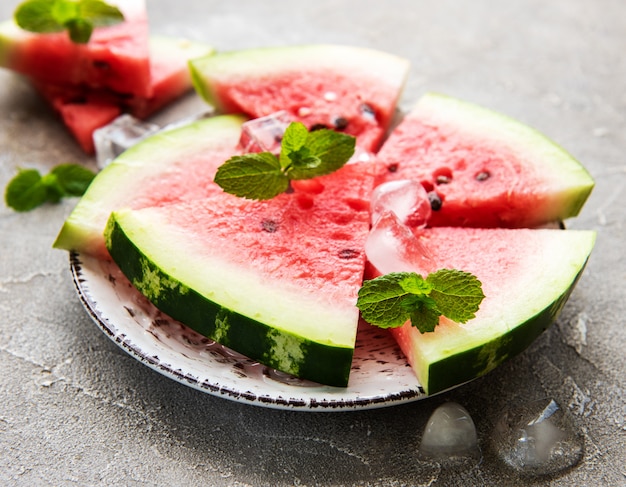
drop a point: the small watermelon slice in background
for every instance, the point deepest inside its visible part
(354, 90)
(166, 168)
(527, 276)
(276, 280)
(83, 109)
(116, 57)
(486, 169)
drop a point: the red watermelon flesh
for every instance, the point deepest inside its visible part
(350, 89)
(166, 168)
(83, 110)
(116, 57)
(486, 170)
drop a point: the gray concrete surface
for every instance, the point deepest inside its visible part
(77, 410)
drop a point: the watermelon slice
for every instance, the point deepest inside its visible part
(116, 57)
(83, 109)
(485, 169)
(526, 275)
(276, 280)
(168, 167)
(351, 89)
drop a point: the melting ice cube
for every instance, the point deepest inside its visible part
(122, 133)
(406, 198)
(391, 246)
(450, 434)
(265, 134)
(537, 438)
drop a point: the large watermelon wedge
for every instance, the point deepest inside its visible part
(351, 89)
(168, 167)
(116, 57)
(275, 280)
(526, 275)
(84, 109)
(486, 169)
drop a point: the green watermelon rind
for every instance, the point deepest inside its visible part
(475, 362)
(575, 182)
(111, 188)
(281, 349)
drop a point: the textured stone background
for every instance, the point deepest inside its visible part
(76, 410)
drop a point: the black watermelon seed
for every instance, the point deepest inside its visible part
(392, 167)
(340, 123)
(435, 201)
(318, 126)
(99, 64)
(348, 253)
(269, 226)
(443, 179)
(483, 175)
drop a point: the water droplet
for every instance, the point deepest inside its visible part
(537, 438)
(450, 435)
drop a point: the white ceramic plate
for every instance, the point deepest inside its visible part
(380, 374)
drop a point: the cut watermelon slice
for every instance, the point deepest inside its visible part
(351, 89)
(83, 110)
(526, 275)
(276, 280)
(487, 170)
(116, 57)
(165, 168)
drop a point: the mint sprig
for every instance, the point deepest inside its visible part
(390, 300)
(303, 155)
(29, 189)
(78, 17)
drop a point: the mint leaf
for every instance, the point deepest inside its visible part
(73, 179)
(293, 141)
(79, 30)
(303, 155)
(78, 17)
(458, 294)
(390, 300)
(329, 149)
(254, 176)
(425, 315)
(99, 13)
(382, 301)
(25, 191)
(28, 189)
(37, 16)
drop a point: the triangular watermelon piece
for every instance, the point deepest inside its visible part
(483, 169)
(84, 109)
(116, 57)
(166, 168)
(275, 280)
(527, 276)
(351, 89)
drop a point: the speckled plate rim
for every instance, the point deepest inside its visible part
(380, 376)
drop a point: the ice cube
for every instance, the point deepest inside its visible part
(538, 438)
(122, 133)
(391, 246)
(406, 198)
(265, 134)
(450, 434)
